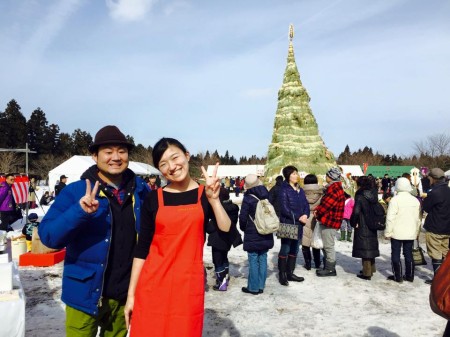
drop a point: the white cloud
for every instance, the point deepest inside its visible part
(129, 10)
(175, 6)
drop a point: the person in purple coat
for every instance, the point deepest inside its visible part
(7, 203)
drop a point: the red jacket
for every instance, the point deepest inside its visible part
(330, 212)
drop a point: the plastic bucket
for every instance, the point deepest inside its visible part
(18, 247)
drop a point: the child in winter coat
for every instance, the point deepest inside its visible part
(221, 242)
(348, 209)
(27, 230)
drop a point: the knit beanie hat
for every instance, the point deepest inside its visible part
(334, 173)
(33, 216)
(109, 135)
(403, 185)
(251, 180)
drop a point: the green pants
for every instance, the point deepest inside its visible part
(110, 320)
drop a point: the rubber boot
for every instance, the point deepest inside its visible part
(342, 235)
(316, 256)
(329, 270)
(409, 271)
(292, 260)
(436, 264)
(397, 271)
(282, 267)
(221, 281)
(307, 257)
(227, 270)
(349, 236)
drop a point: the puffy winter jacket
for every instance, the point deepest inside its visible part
(253, 241)
(293, 205)
(7, 203)
(87, 238)
(365, 241)
(437, 205)
(313, 193)
(403, 215)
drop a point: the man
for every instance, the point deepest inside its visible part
(60, 185)
(385, 183)
(437, 222)
(97, 220)
(330, 213)
(7, 203)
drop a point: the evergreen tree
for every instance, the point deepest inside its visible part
(80, 142)
(64, 145)
(37, 129)
(14, 127)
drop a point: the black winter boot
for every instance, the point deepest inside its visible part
(329, 270)
(409, 271)
(436, 264)
(282, 267)
(292, 259)
(221, 281)
(307, 257)
(397, 271)
(316, 256)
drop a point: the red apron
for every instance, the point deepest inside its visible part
(169, 299)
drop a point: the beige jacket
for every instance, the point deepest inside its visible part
(403, 216)
(313, 194)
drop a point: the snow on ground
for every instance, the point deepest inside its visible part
(332, 306)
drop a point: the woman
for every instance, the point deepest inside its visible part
(32, 188)
(256, 245)
(294, 209)
(166, 293)
(365, 239)
(402, 227)
(221, 242)
(313, 193)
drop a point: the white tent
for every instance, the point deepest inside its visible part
(74, 167)
(447, 173)
(236, 170)
(354, 170)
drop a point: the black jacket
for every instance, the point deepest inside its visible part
(253, 241)
(274, 196)
(224, 240)
(365, 241)
(437, 205)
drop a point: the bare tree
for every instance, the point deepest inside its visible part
(435, 150)
(8, 161)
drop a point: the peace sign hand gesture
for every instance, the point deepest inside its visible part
(212, 184)
(88, 202)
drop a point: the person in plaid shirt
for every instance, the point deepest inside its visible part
(329, 214)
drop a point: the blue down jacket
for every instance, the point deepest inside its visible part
(293, 204)
(253, 241)
(87, 239)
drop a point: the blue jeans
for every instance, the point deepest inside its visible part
(396, 247)
(257, 270)
(288, 247)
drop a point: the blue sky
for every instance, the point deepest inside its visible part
(208, 72)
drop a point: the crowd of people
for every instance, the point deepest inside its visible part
(134, 248)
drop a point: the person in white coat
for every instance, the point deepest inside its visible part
(402, 227)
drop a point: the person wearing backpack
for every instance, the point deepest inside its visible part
(365, 239)
(256, 245)
(294, 209)
(402, 227)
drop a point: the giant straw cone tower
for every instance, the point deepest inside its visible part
(295, 138)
